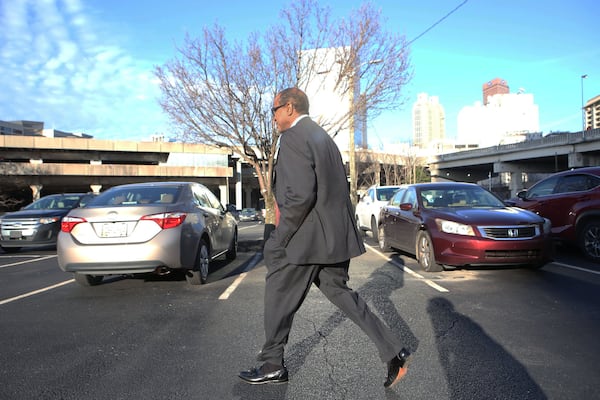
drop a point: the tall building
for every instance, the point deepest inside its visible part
(329, 103)
(429, 121)
(504, 117)
(592, 113)
(35, 128)
(493, 87)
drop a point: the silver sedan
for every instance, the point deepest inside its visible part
(147, 227)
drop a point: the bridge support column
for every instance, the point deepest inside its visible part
(224, 192)
(36, 190)
(516, 175)
(238, 185)
(248, 195)
(96, 188)
(576, 160)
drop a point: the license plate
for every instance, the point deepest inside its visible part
(16, 234)
(114, 229)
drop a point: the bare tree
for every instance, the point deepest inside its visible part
(407, 168)
(220, 93)
(369, 169)
(392, 167)
(8, 202)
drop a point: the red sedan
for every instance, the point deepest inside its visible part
(461, 224)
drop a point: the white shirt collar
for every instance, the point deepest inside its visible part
(298, 119)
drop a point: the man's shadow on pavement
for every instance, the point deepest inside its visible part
(476, 366)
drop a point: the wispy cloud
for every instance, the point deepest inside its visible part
(61, 66)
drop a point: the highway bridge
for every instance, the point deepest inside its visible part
(31, 166)
(515, 162)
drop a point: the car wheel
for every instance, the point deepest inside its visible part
(425, 253)
(374, 228)
(233, 247)
(199, 274)
(358, 226)
(383, 243)
(88, 280)
(589, 240)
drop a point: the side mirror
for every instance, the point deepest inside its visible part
(406, 206)
(522, 195)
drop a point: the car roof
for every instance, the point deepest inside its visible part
(66, 194)
(586, 170)
(155, 184)
(441, 185)
(385, 187)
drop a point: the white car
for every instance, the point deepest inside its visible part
(369, 206)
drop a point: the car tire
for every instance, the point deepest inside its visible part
(233, 247)
(87, 280)
(383, 243)
(199, 274)
(374, 229)
(589, 240)
(425, 253)
(358, 226)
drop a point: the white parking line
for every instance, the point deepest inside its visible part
(27, 261)
(36, 292)
(225, 295)
(408, 270)
(577, 268)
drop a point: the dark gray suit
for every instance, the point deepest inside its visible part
(314, 241)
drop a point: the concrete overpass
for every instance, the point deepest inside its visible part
(552, 153)
(45, 165)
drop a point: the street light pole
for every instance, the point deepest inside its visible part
(582, 109)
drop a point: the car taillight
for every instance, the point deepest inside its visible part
(68, 223)
(166, 220)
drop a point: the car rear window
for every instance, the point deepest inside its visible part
(55, 202)
(385, 194)
(137, 196)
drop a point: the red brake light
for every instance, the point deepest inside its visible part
(68, 223)
(166, 220)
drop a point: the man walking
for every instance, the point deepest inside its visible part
(313, 242)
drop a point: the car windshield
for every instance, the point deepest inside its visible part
(385, 194)
(472, 197)
(136, 195)
(248, 211)
(56, 202)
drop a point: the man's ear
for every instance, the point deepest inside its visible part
(289, 109)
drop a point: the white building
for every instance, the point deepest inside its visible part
(429, 121)
(506, 118)
(330, 104)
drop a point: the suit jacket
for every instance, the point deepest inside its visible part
(316, 224)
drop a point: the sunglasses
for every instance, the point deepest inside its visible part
(274, 109)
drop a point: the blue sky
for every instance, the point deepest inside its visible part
(87, 66)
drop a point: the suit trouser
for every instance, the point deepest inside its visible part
(287, 287)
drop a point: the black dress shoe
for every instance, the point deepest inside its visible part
(260, 375)
(397, 368)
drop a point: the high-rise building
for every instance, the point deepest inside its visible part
(592, 113)
(493, 87)
(330, 100)
(503, 118)
(429, 121)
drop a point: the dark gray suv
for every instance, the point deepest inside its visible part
(38, 223)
